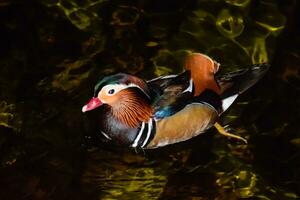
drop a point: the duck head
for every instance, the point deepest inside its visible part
(127, 97)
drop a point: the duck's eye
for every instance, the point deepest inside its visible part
(111, 91)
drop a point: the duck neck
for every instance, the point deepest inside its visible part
(132, 111)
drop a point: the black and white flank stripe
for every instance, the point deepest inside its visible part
(145, 134)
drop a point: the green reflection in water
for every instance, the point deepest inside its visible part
(81, 13)
(9, 117)
(127, 177)
(240, 3)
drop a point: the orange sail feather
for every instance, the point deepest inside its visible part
(202, 70)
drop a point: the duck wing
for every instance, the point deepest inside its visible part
(173, 93)
(235, 83)
(239, 81)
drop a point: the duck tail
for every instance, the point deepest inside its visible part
(237, 82)
(203, 70)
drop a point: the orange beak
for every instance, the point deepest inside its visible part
(92, 104)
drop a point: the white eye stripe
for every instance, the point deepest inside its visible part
(118, 87)
(134, 85)
(115, 87)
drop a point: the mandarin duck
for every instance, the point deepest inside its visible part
(168, 109)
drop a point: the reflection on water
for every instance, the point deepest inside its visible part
(53, 52)
(129, 176)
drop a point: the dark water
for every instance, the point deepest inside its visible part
(53, 52)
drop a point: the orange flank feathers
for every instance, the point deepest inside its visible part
(202, 70)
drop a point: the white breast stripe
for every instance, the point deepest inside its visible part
(149, 132)
(228, 101)
(190, 88)
(105, 135)
(138, 137)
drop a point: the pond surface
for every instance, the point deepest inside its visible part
(53, 52)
